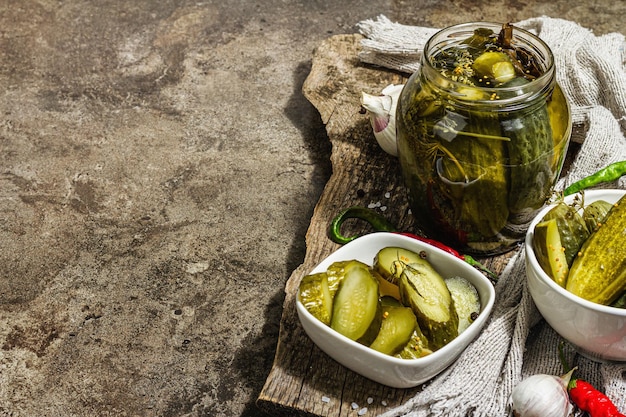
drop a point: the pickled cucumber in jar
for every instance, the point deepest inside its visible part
(482, 133)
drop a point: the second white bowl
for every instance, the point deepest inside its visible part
(598, 331)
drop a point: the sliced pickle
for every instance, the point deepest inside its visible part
(317, 291)
(417, 347)
(356, 308)
(425, 290)
(315, 296)
(466, 300)
(389, 262)
(495, 66)
(398, 324)
(335, 274)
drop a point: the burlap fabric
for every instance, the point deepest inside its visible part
(517, 343)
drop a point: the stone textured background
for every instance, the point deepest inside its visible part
(158, 170)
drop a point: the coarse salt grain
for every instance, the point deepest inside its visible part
(362, 411)
(355, 406)
(384, 403)
(370, 400)
(325, 399)
(387, 195)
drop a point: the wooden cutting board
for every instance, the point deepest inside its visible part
(303, 379)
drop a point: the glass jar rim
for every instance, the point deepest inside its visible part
(451, 35)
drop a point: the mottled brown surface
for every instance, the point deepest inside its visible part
(159, 168)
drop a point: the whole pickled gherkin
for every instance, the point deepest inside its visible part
(471, 167)
(594, 214)
(530, 151)
(466, 155)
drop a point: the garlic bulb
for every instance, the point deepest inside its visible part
(381, 110)
(542, 396)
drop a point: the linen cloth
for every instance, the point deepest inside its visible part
(517, 342)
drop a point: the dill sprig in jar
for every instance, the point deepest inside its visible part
(482, 132)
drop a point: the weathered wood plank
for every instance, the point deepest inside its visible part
(304, 380)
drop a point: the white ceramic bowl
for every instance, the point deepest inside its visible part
(597, 331)
(385, 369)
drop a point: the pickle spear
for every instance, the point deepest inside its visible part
(550, 252)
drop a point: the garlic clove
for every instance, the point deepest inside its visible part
(393, 90)
(542, 396)
(381, 110)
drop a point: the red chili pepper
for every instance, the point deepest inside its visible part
(586, 397)
(466, 258)
(589, 399)
(434, 243)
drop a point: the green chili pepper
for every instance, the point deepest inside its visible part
(377, 221)
(607, 174)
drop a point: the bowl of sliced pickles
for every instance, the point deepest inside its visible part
(393, 308)
(576, 271)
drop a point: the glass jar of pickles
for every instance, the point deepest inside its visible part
(482, 132)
